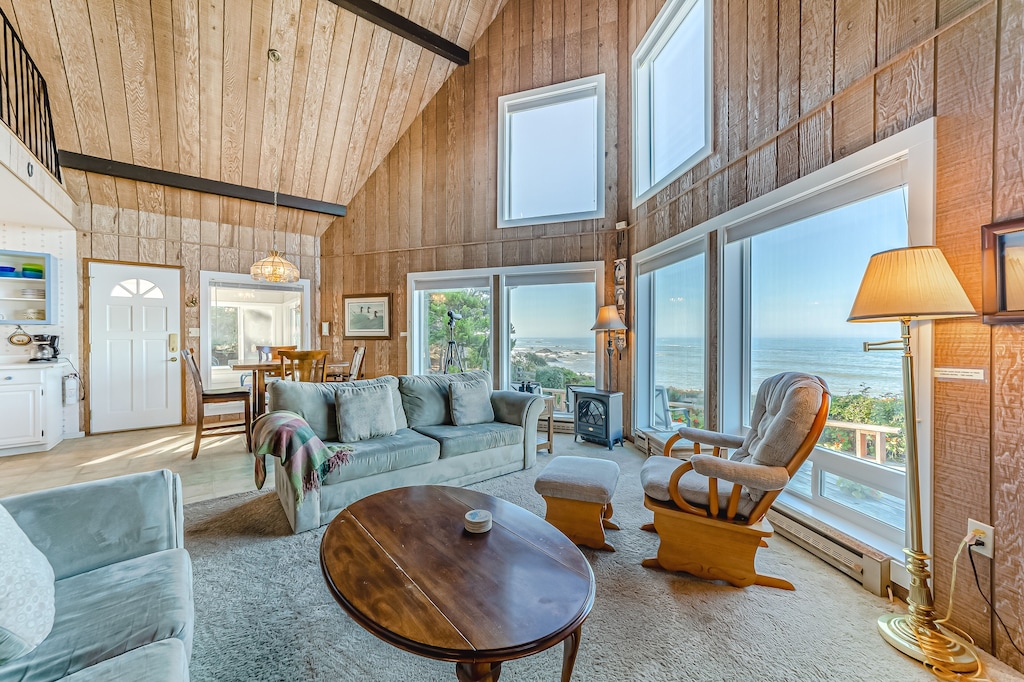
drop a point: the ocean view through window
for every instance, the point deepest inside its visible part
(550, 338)
(798, 322)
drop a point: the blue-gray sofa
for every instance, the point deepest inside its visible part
(427, 445)
(123, 580)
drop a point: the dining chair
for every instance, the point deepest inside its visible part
(216, 395)
(355, 368)
(303, 365)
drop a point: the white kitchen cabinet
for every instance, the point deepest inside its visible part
(30, 408)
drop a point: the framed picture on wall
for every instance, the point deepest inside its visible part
(1002, 272)
(367, 316)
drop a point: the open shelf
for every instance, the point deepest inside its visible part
(12, 304)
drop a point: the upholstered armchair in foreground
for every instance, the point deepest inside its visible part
(709, 512)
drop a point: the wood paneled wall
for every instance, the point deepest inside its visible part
(431, 204)
(798, 84)
(194, 231)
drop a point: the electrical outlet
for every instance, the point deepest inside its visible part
(988, 535)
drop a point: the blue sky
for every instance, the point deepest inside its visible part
(804, 277)
(553, 310)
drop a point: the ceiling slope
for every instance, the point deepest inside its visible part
(186, 86)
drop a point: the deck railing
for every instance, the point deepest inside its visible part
(24, 102)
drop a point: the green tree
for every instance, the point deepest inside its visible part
(472, 332)
(861, 408)
(558, 377)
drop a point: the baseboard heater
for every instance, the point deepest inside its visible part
(867, 565)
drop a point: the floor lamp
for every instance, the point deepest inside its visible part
(915, 283)
(608, 320)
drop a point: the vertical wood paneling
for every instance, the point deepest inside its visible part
(1008, 341)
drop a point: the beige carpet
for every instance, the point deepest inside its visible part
(263, 612)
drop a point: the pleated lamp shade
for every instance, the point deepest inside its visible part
(913, 283)
(274, 268)
(608, 319)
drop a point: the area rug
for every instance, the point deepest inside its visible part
(263, 612)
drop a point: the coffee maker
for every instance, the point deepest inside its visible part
(46, 348)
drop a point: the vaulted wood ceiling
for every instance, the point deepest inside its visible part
(186, 85)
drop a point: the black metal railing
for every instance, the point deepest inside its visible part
(24, 102)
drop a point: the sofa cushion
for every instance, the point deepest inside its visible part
(110, 610)
(163, 660)
(405, 448)
(364, 412)
(314, 402)
(425, 396)
(470, 402)
(459, 440)
(26, 592)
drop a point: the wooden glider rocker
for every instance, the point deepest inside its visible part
(709, 512)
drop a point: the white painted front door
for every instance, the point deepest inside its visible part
(134, 365)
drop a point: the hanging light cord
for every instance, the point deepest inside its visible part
(275, 57)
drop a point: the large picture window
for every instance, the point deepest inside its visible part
(551, 153)
(672, 113)
(776, 278)
(672, 300)
(798, 320)
(524, 324)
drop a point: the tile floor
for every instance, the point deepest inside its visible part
(222, 468)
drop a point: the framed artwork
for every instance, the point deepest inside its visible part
(1002, 272)
(367, 316)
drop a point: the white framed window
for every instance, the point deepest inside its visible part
(671, 312)
(526, 323)
(672, 98)
(237, 314)
(790, 263)
(551, 153)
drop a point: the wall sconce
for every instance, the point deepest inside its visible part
(191, 301)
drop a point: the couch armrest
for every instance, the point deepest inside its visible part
(84, 526)
(521, 409)
(513, 407)
(756, 476)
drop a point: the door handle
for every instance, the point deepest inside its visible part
(172, 343)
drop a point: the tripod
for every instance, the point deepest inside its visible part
(453, 353)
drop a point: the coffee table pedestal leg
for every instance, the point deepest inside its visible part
(478, 672)
(570, 646)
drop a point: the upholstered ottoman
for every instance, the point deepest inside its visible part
(578, 492)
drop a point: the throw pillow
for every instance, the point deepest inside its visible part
(364, 412)
(471, 402)
(26, 592)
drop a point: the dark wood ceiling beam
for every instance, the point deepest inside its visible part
(130, 171)
(408, 29)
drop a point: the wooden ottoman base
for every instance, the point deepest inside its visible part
(582, 522)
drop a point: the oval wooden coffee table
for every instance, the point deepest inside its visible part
(403, 566)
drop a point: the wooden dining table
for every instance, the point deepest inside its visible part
(261, 370)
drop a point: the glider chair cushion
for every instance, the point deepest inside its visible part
(709, 511)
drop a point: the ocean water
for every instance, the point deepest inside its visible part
(842, 362)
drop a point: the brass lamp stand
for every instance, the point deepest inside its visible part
(914, 284)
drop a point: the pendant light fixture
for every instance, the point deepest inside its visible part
(275, 267)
